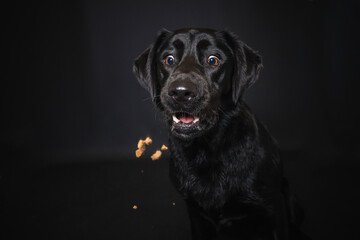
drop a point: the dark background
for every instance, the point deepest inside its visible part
(72, 113)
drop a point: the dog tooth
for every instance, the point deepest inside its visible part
(196, 119)
(175, 119)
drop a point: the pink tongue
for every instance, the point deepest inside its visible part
(186, 119)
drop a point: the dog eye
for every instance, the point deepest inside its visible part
(213, 60)
(169, 60)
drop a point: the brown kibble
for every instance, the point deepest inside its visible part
(156, 155)
(141, 146)
(163, 147)
(148, 141)
(139, 152)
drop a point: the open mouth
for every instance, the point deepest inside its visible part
(184, 119)
(185, 126)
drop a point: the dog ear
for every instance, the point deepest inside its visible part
(144, 66)
(247, 66)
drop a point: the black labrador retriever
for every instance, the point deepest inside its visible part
(223, 161)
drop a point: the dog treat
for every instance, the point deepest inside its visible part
(148, 141)
(142, 143)
(139, 152)
(163, 147)
(156, 155)
(135, 207)
(141, 146)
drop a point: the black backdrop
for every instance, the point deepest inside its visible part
(69, 95)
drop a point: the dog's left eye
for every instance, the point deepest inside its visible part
(213, 60)
(169, 60)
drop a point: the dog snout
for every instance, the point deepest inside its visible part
(182, 91)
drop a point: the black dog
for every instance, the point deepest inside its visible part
(223, 160)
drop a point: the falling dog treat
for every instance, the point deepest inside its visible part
(139, 152)
(148, 141)
(142, 143)
(141, 146)
(156, 155)
(141, 149)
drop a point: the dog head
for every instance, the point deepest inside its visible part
(194, 75)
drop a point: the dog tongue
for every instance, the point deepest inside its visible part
(186, 118)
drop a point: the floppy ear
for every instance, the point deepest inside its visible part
(247, 66)
(144, 66)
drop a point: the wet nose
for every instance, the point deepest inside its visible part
(182, 91)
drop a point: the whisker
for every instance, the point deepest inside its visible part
(147, 99)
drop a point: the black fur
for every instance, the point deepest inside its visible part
(226, 165)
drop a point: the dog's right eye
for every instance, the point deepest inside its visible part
(213, 60)
(169, 60)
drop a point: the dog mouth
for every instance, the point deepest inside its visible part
(184, 118)
(185, 125)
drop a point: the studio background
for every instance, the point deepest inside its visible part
(72, 113)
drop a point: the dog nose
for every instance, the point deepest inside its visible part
(182, 91)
